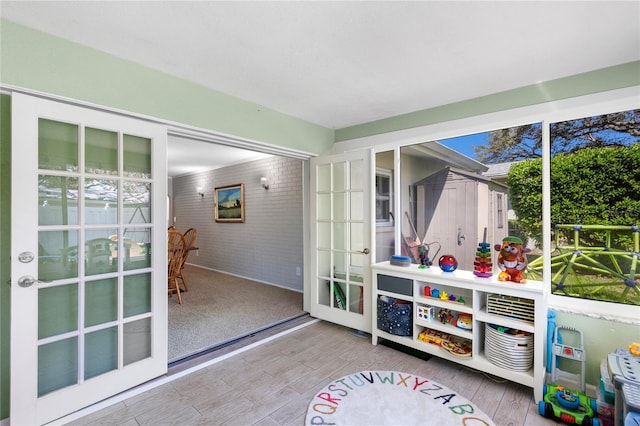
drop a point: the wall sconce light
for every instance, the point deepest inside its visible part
(264, 182)
(200, 192)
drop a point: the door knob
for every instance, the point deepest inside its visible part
(460, 236)
(28, 281)
(365, 251)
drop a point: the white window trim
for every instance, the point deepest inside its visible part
(545, 113)
(388, 173)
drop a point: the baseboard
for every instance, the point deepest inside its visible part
(245, 278)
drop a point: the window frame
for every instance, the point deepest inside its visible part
(544, 113)
(382, 172)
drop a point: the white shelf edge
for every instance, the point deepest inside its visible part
(446, 328)
(444, 304)
(483, 316)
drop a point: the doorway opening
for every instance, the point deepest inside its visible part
(245, 277)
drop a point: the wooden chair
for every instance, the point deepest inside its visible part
(190, 237)
(176, 248)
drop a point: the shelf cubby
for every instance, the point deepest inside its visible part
(529, 314)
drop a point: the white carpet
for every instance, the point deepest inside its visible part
(391, 398)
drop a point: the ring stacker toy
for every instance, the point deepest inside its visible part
(482, 266)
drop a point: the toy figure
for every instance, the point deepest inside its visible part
(512, 260)
(423, 255)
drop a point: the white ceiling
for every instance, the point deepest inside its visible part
(342, 63)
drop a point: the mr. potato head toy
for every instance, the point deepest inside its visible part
(512, 260)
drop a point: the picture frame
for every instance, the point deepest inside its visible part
(229, 203)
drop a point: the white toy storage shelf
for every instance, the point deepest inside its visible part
(489, 302)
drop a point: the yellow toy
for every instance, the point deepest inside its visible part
(634, 349)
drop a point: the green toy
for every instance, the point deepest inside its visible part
(568, 406)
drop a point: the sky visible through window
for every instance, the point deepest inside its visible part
(464, 144)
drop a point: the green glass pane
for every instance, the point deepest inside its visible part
(324, 292)
(101, 201)
(137, 248)
(324, 263)
(340, 206)
(356, 302)
(357, 206)
(356, 175)
(101, 151)
(323, 206)
(340, 173)
(57, 310)
(324, 235)
(57, 200)
(339, 264)
(137, 156)
(136, 199)
(324, 178)
(137, 294)
(339, 236)
(100, 352)
(99, 249)
(57, 145)
(57, 365)
(57, 255)
(357, 236)
(100, 301)
(137, 340)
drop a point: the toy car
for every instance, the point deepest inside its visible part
(568, 406)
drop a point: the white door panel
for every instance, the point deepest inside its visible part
(341, 241)
(88, 250)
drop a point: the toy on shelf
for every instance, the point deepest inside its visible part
(423, 256)
(464, 321)
(512, 260)
(482, 266)
(448, 263)
(427, 313)
(446, 317)
(434, 293)
(460, 349)
(433, 337)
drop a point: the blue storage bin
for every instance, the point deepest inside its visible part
(395, 316)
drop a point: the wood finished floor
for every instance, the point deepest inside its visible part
(272, 384)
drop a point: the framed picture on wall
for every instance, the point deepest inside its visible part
(229, 203)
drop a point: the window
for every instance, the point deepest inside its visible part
(499, 211)
(595, 207)
(384, 196)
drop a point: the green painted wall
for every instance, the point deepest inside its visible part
(606, 79)
(601, 337)
(39, 61)
(5, 232)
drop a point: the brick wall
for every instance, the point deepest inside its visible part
(268, 246)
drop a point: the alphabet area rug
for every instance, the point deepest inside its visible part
(391, 398)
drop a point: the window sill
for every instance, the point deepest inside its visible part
(628, 314)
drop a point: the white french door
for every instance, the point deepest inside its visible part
(88, 257)
(341, 242)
